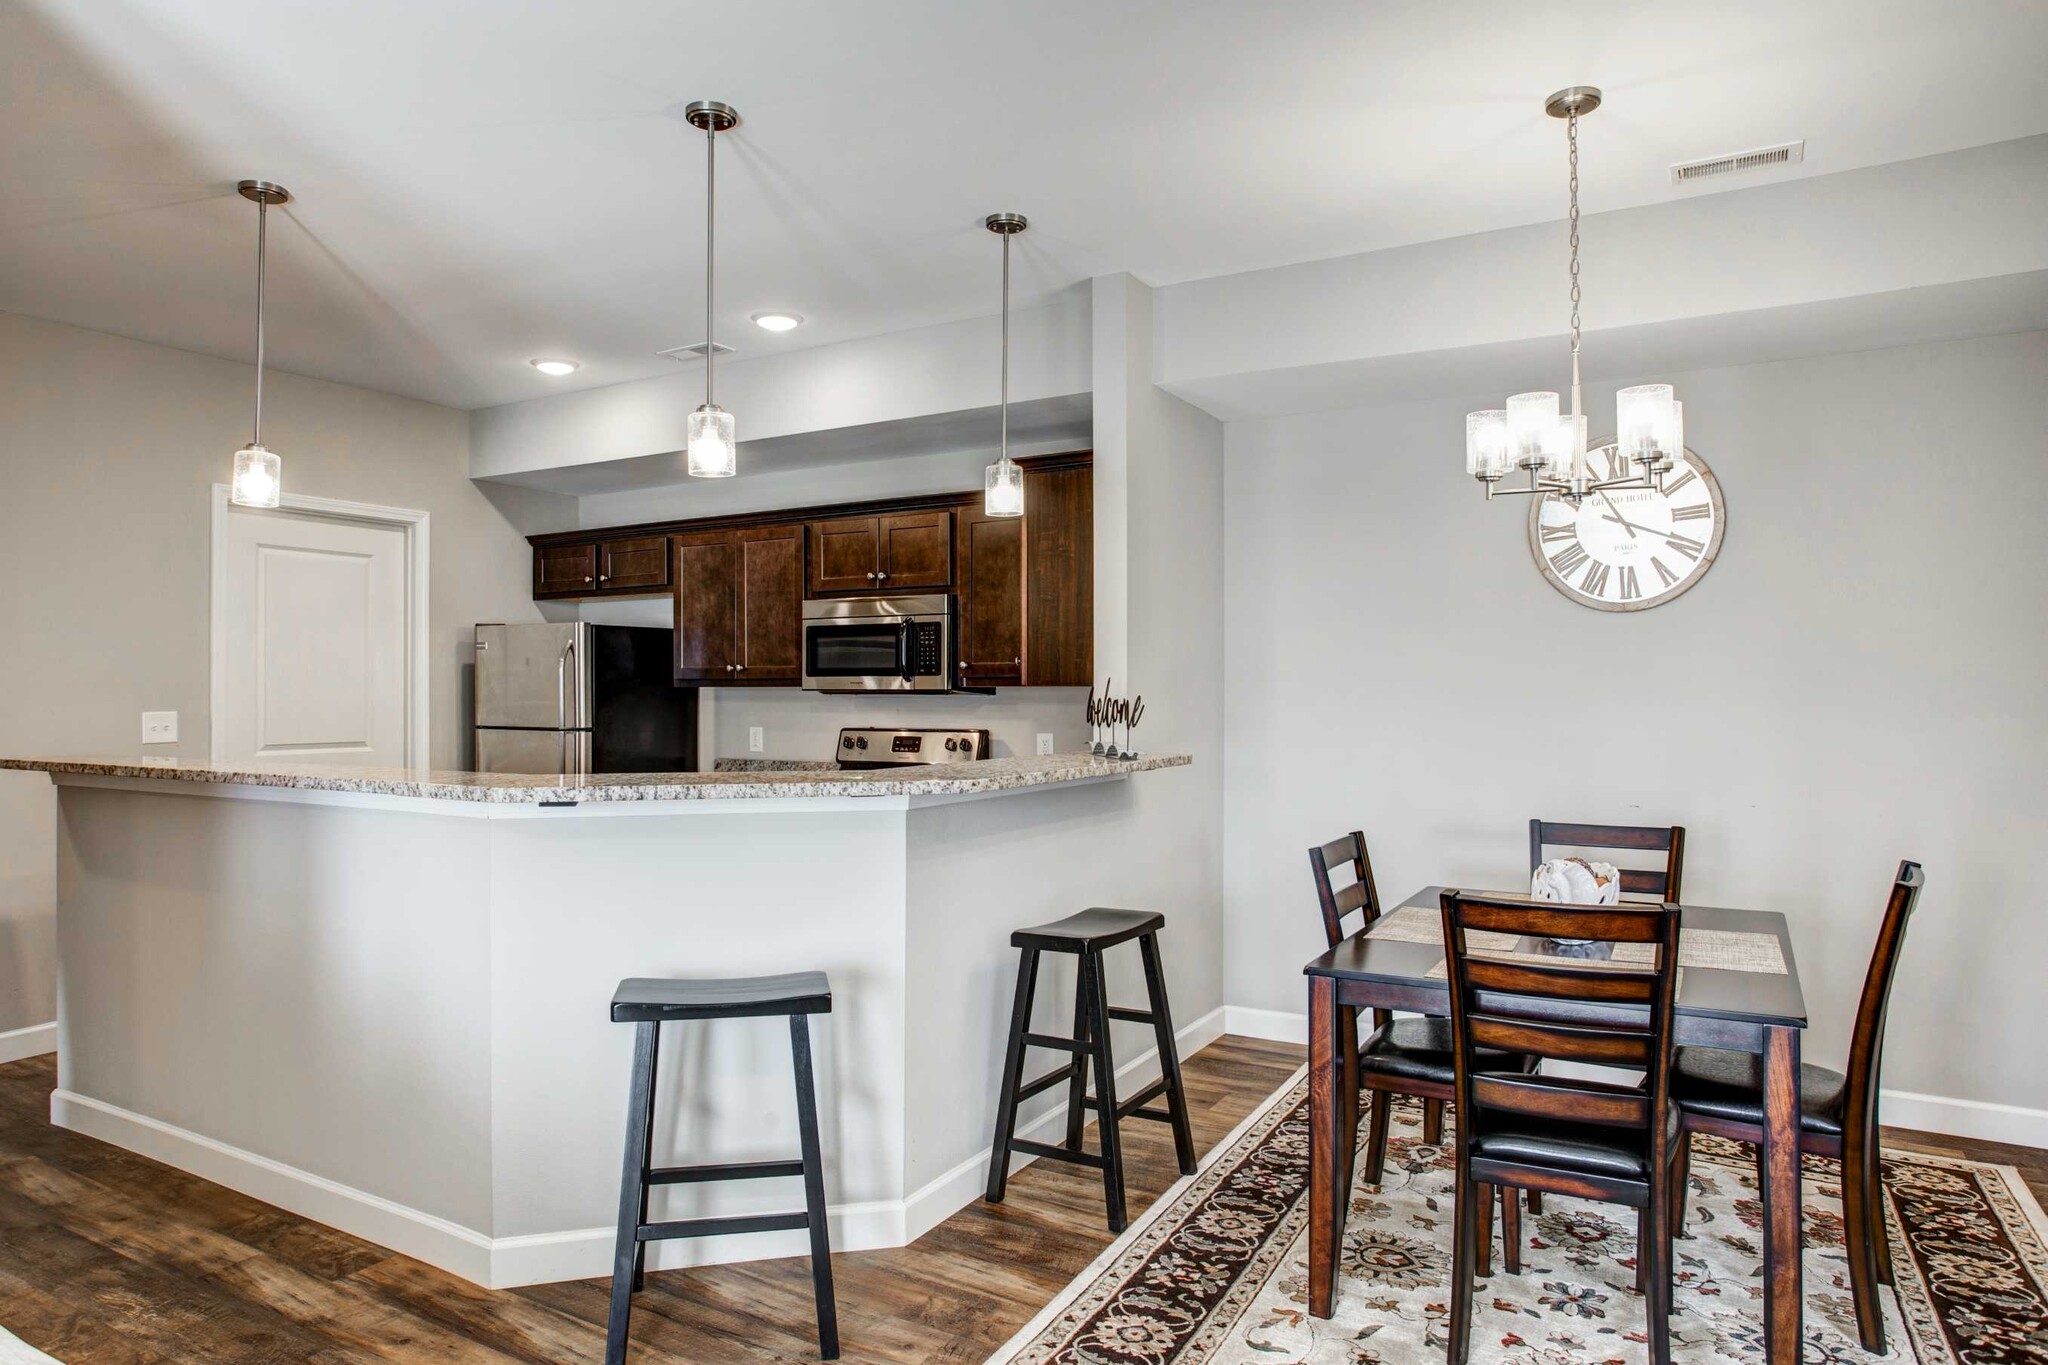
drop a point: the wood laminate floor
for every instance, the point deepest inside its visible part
(107, 1258)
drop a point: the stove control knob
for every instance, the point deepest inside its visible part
(951, 745)
(846, 742)
(860, 744)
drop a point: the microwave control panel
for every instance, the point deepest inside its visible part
(927, 649)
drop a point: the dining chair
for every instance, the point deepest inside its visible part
(1590, 1139)
(1400, 1056)
(1722, 1093)
(1660, 886)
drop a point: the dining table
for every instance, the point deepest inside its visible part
(1736, 990)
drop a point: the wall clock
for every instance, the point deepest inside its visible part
(1628, 549)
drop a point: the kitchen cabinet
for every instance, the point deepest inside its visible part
(990, 557)
(1059, 575)
(565, 570)
(634, 565)
(898, 552)
(739, 606)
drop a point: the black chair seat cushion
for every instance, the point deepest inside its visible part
(1617, 1153)
(1090, 929)
(644, 999)
(1420, 1050)
(1730, 1085)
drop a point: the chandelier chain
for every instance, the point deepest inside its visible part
(1572, 140)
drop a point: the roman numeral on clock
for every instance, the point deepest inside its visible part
(1683, 480)
(1662, 572)
(1595, 582)
(1630, 591)
(1696, 511)
(1568, 531)
(1567, 561)
(1685, 545)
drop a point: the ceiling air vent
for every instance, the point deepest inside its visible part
(695, 350)
(1784, 154)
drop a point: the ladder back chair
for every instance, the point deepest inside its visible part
(1659, 885)
(1722, 1093)
(1587, 1139)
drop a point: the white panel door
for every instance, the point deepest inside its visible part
(315, 630)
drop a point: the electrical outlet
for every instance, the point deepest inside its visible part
(159, 727)
(1045, 744)
(756, 741)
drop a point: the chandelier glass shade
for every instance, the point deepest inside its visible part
(1549, 445)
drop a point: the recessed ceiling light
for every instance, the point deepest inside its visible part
(778, 322)
(555, 367)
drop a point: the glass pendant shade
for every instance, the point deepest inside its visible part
(713, 453)
(1563, 447)
(259, 477)
(1532, 424)
(1486, 444)
(1671, 440)
(1003, 489)
(1642, 416)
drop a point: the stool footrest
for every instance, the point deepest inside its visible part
(1061, 1044)
(1044, 1083)
(1130, 1016)
(1156, 1115)
(731, 1170)
(1046, 1149)
(1126, 1108)
(714, 1227)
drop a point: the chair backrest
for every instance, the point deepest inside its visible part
(1866, 1044)
(1346, 860)
(1661, 885)
(1512, 1004)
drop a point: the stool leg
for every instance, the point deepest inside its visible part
(1013, 1067)
(1109, 1139)
(647, 1162)
(814, 1188)
(631, 1184)
(1077, 1087)
(1169, 1054)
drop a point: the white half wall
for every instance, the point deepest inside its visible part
(1856, 681)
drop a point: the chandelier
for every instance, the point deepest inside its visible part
(1531, 435)
(713, 449)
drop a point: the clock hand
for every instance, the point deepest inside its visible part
(1626, 526)
(1633, 527)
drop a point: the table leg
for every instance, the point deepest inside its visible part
(1780, 1163)
(1325, 1145)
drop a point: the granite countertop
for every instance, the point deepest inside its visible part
(801, 780)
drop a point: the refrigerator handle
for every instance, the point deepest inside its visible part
(562, 684)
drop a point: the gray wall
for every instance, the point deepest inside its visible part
(1859, 679)
(108, 448)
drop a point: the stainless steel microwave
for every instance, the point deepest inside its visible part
(879, 644)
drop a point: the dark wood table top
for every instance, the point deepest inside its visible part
(1754, 997)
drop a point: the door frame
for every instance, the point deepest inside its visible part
(413, 523)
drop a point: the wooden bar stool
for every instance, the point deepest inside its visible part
(648, 1004)
(1087, 935)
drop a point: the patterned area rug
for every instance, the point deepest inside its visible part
(1216, 1273)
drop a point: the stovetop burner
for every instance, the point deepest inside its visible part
(872, 747)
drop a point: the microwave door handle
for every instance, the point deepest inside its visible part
(903, 650)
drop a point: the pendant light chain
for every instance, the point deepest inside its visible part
(1572, 140)
(262, 236)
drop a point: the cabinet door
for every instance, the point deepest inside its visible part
(1059, 577)
(564, 570)
(771, 596)
(707, 607)
(916, 551)
(629, 565)
(991, 588)
(844, 556)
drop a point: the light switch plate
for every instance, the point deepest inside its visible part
(159, 727)
(756, 741)
(1045, 744)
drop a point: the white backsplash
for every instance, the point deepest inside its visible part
(806, 725)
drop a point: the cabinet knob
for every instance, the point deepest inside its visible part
(586, 578)
(871, 575)
(882, 577)
(739, 668)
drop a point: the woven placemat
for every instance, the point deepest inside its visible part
(1728, 950)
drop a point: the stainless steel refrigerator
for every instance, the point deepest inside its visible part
(580, 698)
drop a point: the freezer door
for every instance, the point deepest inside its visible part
(545, 752)
(534, 676)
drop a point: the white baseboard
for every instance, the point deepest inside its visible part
(542, 1258)
(1977, 1119)
(33, 1041)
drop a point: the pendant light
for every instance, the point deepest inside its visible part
(712, 451)
(1003, 485)
(258, 480)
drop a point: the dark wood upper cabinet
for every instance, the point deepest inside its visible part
(1059, 576)
(771, 603)
(564, 570)
(632, 565)
(899, 552)
(991, 590)
(707, 582)
(844, 555)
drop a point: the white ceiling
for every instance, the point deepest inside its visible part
(482, 182)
